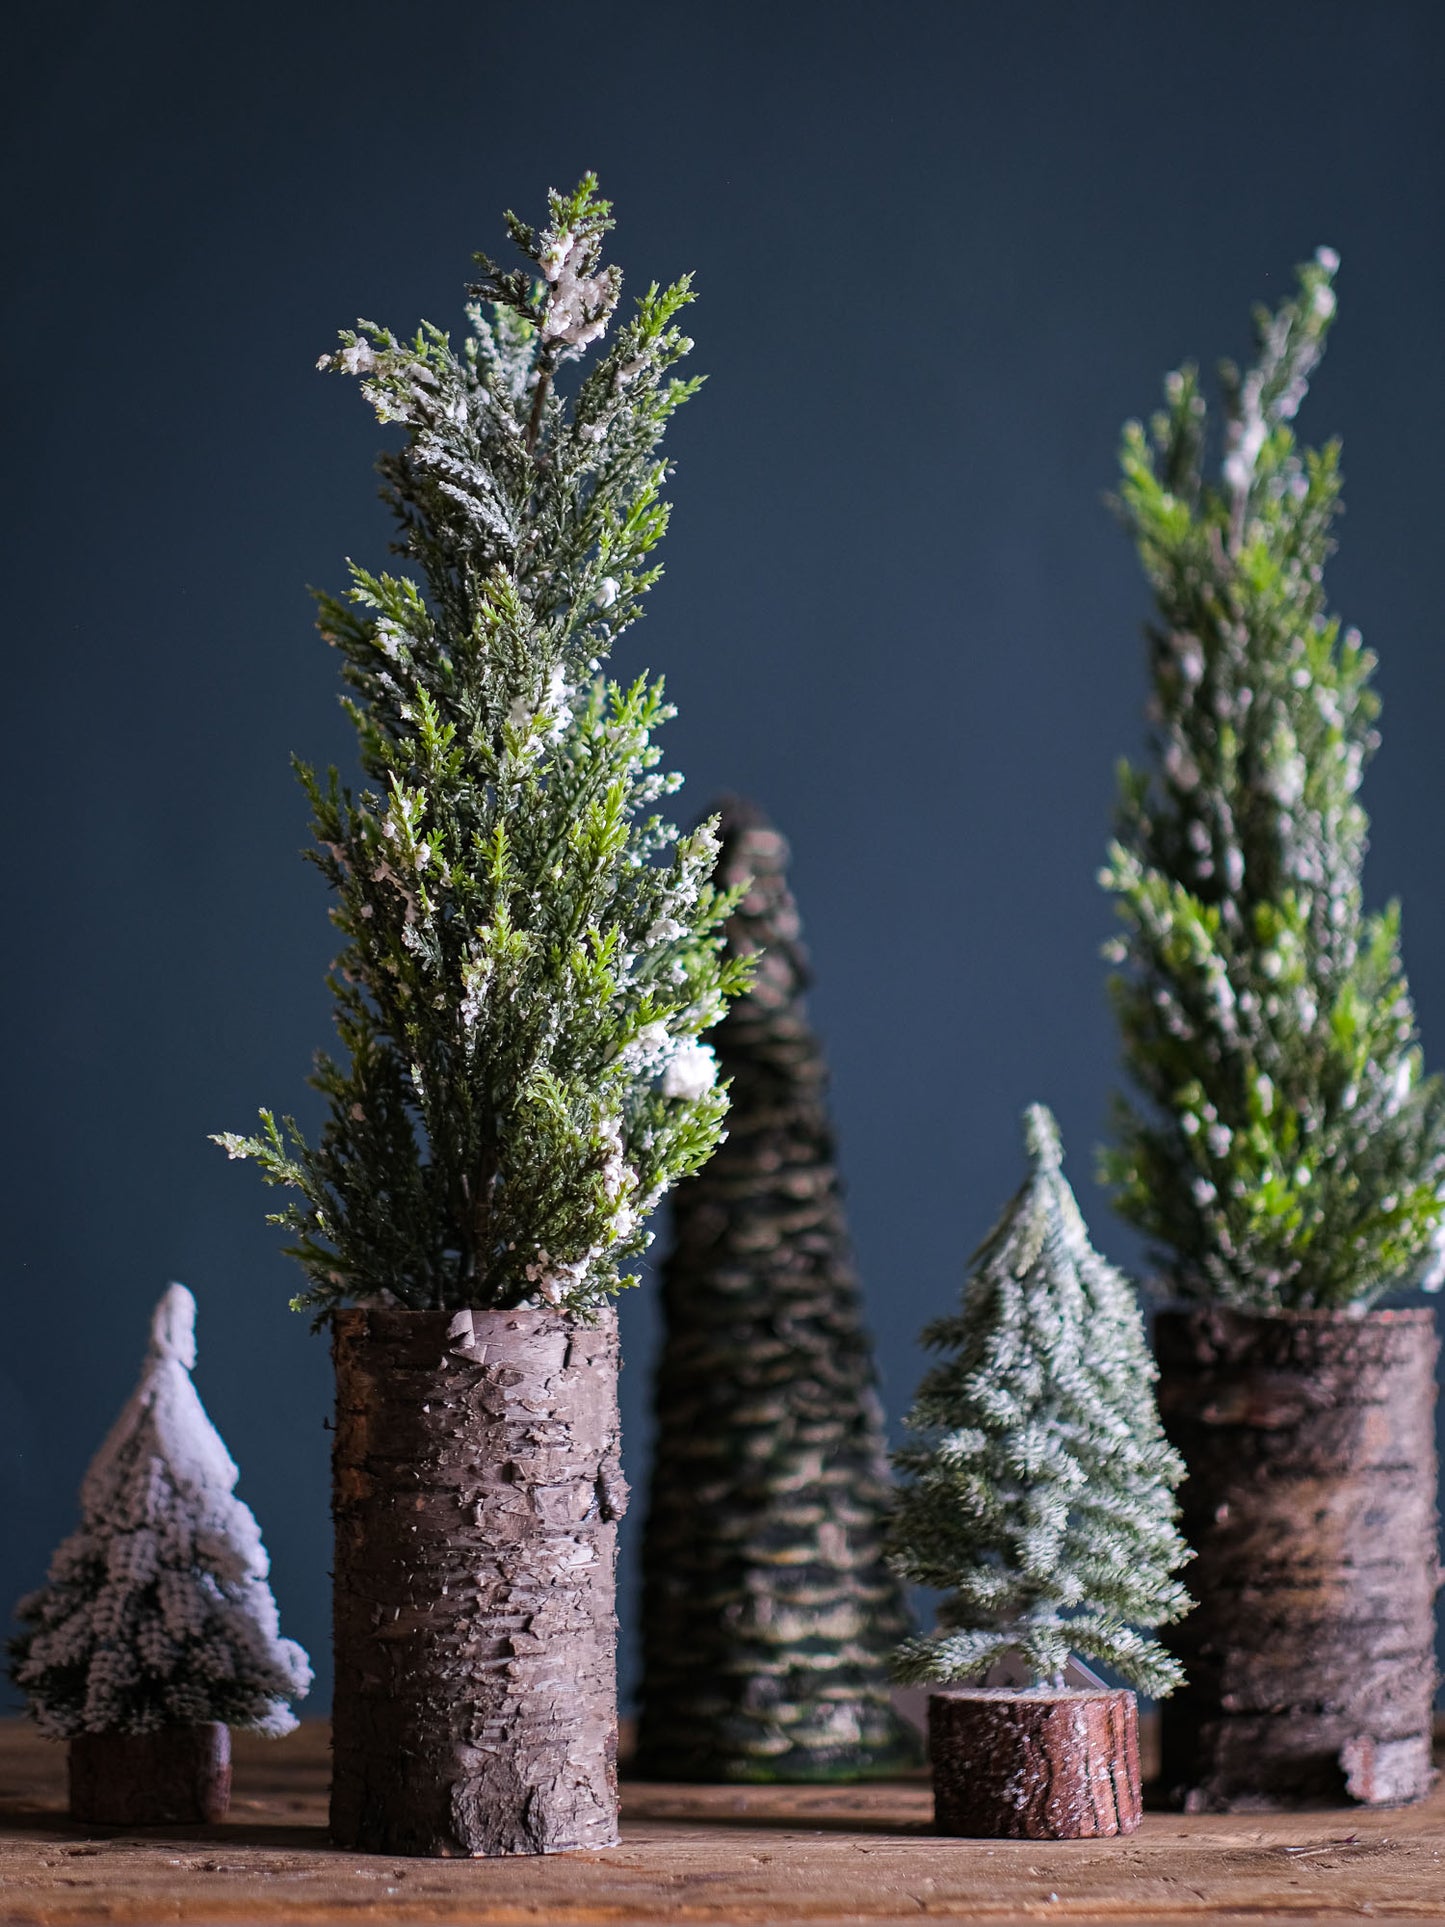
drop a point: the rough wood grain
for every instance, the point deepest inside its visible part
(179, 1775)
(1010, 1765)
(1310, 1445)
(477, 1489)
(719, 1856)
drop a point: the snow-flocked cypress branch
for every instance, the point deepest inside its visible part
(1286, 1152)
(531, 952)
(1039, 1493)
(157, 1611)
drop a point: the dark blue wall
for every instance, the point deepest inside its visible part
(942, 252)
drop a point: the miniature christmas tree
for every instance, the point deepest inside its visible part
(1285, 1154)
(530, 952)
(1041, 1492)
(1040, 1496)
(157, 1612)
(1288, 1154)
(768, 1612)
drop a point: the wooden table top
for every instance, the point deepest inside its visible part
(710, 1855)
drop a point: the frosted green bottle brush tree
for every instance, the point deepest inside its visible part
(1038, 1490)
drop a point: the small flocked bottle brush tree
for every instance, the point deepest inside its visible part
(530, 954)
(768, 1613)
(1283, 1151)
(1039, 1497)
(156, 1631)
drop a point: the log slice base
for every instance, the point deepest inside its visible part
(176, 1776)
(1011, 1765)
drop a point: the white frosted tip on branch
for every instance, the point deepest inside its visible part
(1041, 1134)
(173, 1327)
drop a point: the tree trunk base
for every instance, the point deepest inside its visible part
(1011, 1765)
(1309, 1439)
(176, 1776)
(477, 1493)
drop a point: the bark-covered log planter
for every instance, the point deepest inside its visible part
(175, 1776)
(477, 1489)
(1034, 1765)
(1310, 1500)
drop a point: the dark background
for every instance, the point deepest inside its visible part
(942, 253)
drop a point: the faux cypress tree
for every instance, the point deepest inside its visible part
(768, 1613)
(1287, 1154)
(1040, 1490)
(530, 956)
(1284, 1153)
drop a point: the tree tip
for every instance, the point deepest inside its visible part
(1041, 1134)
(173, 1327)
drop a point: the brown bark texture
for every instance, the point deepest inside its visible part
(175, 1776)
(1011, 1765)
(768, 1613)
(1309, 1439)
(477, 1489)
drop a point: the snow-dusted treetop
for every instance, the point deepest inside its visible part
(157, 1610)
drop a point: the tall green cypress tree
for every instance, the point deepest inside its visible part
(768, 1613)
(530, 951)
(1286, 1152)
(1040, 1488)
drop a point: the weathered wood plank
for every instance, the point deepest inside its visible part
(713, 1855)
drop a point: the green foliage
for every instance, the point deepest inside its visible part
(1288, 1152)
(1040, 1492)
(530, 951)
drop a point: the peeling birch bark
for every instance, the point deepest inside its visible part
(477, 1489)
(1310, 1501)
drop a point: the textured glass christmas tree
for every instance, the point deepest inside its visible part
(1287, 1153)
(768, 1613)
(1040, 1488)
(157, 1612)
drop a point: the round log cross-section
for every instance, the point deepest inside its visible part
(477, 1488)
(1309, 1439)
(175, 1776)
(1011, 1765)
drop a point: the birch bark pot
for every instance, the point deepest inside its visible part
(477, 1489)
(176, 1776)
(1010, 1765)
(1309, 1439)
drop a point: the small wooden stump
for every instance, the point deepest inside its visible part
(1010, 1765)
(176, 1776)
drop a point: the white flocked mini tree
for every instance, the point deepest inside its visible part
(1040, 1487)
(157, 1611)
